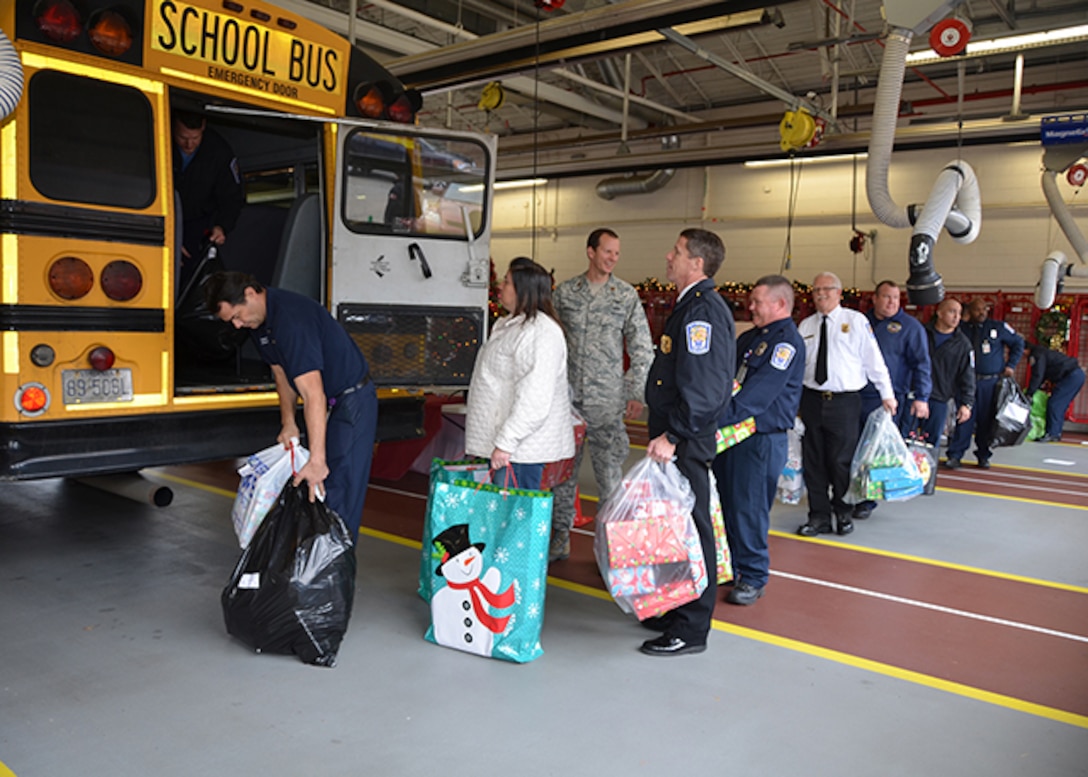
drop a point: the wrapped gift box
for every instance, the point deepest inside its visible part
(667, 597)
(556, 472)
(655, 539)
(632, 581)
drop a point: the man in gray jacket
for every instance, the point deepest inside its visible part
(601, 315)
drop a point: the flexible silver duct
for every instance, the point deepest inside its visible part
(1057, 267)
(622, 185)
(1063, 216)
(954, 202)
(11, 77)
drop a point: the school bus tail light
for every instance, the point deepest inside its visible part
(121, 280)
(404, 108)
(372, 98)
(110, 32)
(32, 399)
(58, 20)
(70, 277)
(101, 358)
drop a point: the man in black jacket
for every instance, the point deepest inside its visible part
(952, 359)
(208, 180)
(1065, 376)
(687, 391)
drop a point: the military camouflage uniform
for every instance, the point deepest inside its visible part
(597, 327)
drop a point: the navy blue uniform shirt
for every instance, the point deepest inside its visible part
(903, 343)
(299, 335)
(770, 368)
(691, 377)
(989, 339)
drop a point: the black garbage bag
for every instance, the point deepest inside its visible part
(293, 587)
(1012, 415)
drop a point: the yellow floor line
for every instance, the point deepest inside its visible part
(907, 675)
(932, 562)
(820, 652)
(1024, 499)
(918, 678)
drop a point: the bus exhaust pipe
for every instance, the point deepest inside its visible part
(131, 485)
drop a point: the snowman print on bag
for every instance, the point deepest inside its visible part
(461, 611)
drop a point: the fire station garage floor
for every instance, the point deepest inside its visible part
(947, 636)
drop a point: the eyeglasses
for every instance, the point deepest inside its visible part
(826, 288)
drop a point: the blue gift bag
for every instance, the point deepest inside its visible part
(444, 472)
(488, 566)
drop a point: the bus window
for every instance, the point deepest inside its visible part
(90, 141)
(413, 186)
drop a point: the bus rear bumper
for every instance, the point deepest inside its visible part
(106, 445)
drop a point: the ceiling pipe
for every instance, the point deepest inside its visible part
(623, 185)
(592, 33)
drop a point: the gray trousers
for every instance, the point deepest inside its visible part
(608, 446)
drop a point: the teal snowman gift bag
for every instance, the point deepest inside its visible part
(476, 470)
(489, 567)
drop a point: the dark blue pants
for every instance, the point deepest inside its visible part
(747, 477)
(524, 476)
(1061, 397)
(831, 435)
(349, 447)
(930, 429)
(981, 423)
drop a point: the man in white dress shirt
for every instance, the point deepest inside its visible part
(841, 356)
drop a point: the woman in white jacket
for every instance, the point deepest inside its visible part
(519, 409)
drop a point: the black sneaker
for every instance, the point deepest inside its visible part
(952, 463)
(744, 594)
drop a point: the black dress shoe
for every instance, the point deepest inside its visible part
(744, 594)
(668, 645)
(863, 510)
(845, 525)
(811, 529)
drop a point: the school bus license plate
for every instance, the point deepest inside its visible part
(81, 387)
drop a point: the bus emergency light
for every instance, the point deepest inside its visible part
(59, 20)
(110, 32)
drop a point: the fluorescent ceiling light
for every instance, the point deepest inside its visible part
(805, 160)
(1010, 44)
(520, 183)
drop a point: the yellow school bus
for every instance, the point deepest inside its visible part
(110, 362)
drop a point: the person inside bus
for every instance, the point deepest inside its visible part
(209, 183)
(314, 357)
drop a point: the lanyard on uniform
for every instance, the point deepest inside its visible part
(743, 371)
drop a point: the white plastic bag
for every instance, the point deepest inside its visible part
(646, 543)
(264, 475)
(791, 483)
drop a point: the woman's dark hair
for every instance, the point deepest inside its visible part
(229, 287)
(533, 286)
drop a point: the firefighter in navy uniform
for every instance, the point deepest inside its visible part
(313, 357)
(989, 338)
(687, 391)
(770, 369)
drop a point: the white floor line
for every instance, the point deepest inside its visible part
(935, 607)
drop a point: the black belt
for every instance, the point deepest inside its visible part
(987, 377)
(827, 396)
(350, 390)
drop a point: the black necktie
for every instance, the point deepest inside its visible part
(821, 354)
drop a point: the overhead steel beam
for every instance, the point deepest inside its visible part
(592, 33)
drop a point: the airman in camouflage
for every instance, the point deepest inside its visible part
(601, 314)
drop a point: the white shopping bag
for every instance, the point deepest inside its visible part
(264, 475)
